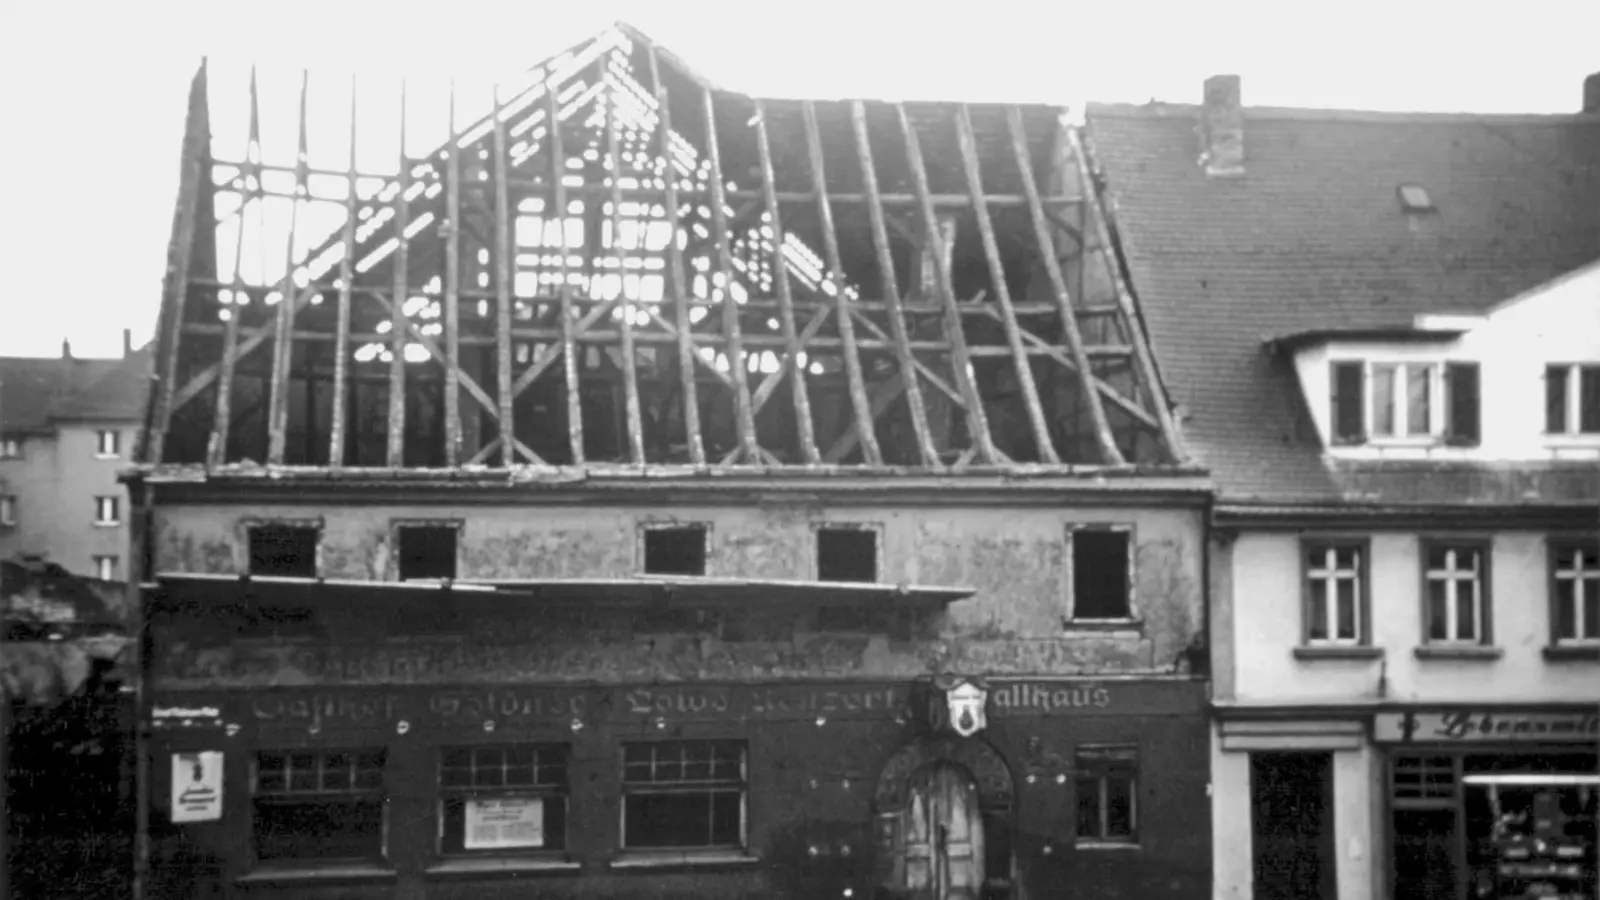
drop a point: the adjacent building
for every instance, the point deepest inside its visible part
(67, 425)
(1383, 333)
(657, 491)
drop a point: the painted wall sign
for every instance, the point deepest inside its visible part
(762, 702)
(504, 822)
(506, 704)
(316, 710)
(1024, 698)
(1486, 726)
(197, 786)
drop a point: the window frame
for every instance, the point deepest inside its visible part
(1132, 580)
(1363, 546)
(1572, 400)
(287, 797)
(817, 528)
(10, 448)
(116, 511)
(627, 789)
(1556, 544)
(444, 794)
(249, 523)
(643, 530)
(1101, 771)
(100, 451)
(1484, 547)
(1399, 396)
(396, 526)
(98, 560)
(8, 510)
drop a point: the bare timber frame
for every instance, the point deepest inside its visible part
(622, 266)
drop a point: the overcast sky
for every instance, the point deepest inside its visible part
(92, 94)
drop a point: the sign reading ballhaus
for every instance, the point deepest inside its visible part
(1486, 726)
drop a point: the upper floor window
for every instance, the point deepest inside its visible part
(1404, 402)
(847, 553)
(8, 509)
(675, 549)
(1102, 564)
(1335, 592)
(107, 443)
(289, 550)
(502, 798)
(1572, 399)
(10, 448)
(107, 510)
(1575, 593)
(105, 568)
(1456, 604)
(427, 551)
(318, 804)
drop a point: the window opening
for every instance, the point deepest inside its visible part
(285, 550)
(847, 554)
(1577, 592)
(1108, 795)
(1457, 603)
(683, 794)
(318, 804)
(105, 568)
(496, 798)
(427, 551)
(1100, 586)
(107, 511)
(676, 550)
(1334, 594)
(108, 443)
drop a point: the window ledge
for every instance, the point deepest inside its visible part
(1106, 845)
(1573, 653)
(107, 524)
(1337, 651)
(311, 872)
(1103, 624)
(501, 865)
(670, 859)
(1458, 651)
(108, 456)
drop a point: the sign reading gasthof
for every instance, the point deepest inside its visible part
(1486, 726)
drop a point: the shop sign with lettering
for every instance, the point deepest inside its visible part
(197, 786)
(1486, 726)
(1036, 698)
(761, 702)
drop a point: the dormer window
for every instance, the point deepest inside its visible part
(1378, 401)
(1572, 399)
(1414, 199)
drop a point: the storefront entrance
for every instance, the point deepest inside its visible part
(944, 835)
(1292, 825)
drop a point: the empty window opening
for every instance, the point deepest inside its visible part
(288, 550)
(847, 554)
(427, 551)
(1100, 586)
(679, 550)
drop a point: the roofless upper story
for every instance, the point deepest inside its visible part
(619, 268)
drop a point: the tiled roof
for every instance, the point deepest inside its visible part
(117, 394)
(35, 391)
(1313, 236)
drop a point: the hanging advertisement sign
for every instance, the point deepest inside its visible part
(197, 786)
(504, 822)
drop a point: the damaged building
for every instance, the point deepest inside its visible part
(647, 489)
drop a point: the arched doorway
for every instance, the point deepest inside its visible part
(943, 849)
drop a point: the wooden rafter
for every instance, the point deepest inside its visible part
(452, 294)
(217, 447)
(283, 344)
(569, 347)
(630, 358)
(744, 415)
(502, 285)
(341, 343)
(398, 291)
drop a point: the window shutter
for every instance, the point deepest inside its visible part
(1349, 412)
(1555, 399)
(1461, 392)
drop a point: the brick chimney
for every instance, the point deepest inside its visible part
(1222, 127)
(1591, 93)
(66, 349)
(127, 342)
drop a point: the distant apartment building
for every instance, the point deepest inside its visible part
(66, 426)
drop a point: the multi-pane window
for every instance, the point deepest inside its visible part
(318, 804)
(499, 798)
(1575, 599)
(1108, 794)
(8, 509)
(1101, 587)
(1335, 593)
(1572, 399)
(107, 510)
(1402, 399)
(10, 448)
(105, 568)
(683, 795)
(1386, 401)
(1457, 587)
(107, 443)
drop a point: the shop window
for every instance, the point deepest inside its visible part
(1101, 586)
(683, 795)
(675, 550)
(426, 551)
(1456, 596)
(318, 805)
(1108, 795)
(286, 550)
(847, 553)
(1531, 833)
(502, 798)
(1335, 592)
(1575, 591)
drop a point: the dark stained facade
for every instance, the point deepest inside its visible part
(490, 556)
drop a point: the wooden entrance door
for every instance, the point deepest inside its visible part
(943, 835)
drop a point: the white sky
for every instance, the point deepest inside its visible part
(92, 94)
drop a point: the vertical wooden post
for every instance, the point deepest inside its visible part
(502, 288)
(780, 274)
(677, 276)
(180, 256)
(1002, 292)
(891, 287)
(733, 341)
(630, 363)
(865, 432)
(399, 286)
(966, 379)
(452, 292)
(283, 345)
(217, 448)
(1130, 316)
(569, 346)
(1058, 284)
(341, 339)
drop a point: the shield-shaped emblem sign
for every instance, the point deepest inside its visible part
(965, 702)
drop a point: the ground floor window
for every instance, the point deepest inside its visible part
(1108, 794)
(501, 798)
(684, 795)
(318, 804)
